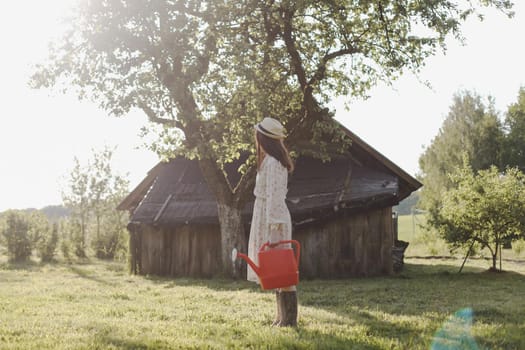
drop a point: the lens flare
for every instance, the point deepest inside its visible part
(456, 333)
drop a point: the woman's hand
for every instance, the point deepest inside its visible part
(276, 234)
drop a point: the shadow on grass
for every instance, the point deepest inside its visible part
(410, 305)
(450, 272)
(37, 266)
(88, 275)
(216, 284)
(29, 266)
(314, 339)
(299, 338)
(399, 306)
(114, 342)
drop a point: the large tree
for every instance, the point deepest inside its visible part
(208, 70)
(514, 154)
(471, 127)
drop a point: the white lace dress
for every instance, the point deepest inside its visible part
(271, 219)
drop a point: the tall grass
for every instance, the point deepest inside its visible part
(97, 305)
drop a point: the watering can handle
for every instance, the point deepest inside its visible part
(293, 241)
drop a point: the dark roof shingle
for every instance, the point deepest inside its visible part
(179, 193)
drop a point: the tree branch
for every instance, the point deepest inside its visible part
(243, 191)
(216, 180)
(287, 16)
(385, 26)
(152, 116)
(321, 68)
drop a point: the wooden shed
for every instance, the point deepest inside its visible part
(341, 213)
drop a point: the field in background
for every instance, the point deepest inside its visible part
(421, 244)
(424, 244)
(98, 305)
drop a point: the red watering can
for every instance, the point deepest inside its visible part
(278, 267)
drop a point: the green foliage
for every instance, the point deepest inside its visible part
(211, 69)
(93, 194)
(44, 235)
(75, 197)
(66, 238)
(515, 138)
(24, 230)
(519, 246)
(484, 208)
(78, 239)
(470, 127)
(47, 245)
(474, 130)
(17, 236)
(112, 242)
(105, 192)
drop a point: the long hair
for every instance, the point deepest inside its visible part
(274, 148)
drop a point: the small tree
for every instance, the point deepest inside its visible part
(75, 198)
(105, 191)
(484, 209)
(111, 241)
(92, 194)
(17, 236)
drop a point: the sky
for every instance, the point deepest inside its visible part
(41, 131)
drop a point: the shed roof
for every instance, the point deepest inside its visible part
(179, 194)
(176, 192)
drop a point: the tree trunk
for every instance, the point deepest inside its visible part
(229, 207)
(495, 259)
(232, 236)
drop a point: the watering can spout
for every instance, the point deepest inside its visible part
(237, 255)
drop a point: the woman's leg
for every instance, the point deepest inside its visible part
(279, 315)
(288, 307)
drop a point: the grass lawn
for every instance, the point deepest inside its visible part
(98, 305)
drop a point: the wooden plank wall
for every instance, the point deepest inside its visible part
(192, 251)
(356, 245)
(135, 249)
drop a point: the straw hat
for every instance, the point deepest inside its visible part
(272, 128)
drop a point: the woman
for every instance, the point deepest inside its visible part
(271, 219)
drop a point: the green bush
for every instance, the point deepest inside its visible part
(519, 247)
(110, 244)
(71, 238)
(44, 236)
(78, 242)
(47, 244)
(17, 236)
